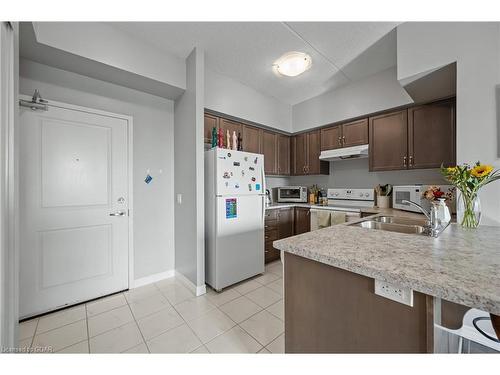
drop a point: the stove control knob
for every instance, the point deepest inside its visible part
(361, 195)
(336, 193)
(367, 195)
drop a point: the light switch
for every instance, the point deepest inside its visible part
(179, 198)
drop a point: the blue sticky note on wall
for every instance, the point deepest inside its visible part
(148, 179)
(257, 186)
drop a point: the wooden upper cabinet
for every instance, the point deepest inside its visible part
(226, 125)
(251, 138)
(210, 123)
(314, 165)
(431, 135)
(306, 148)
(269, 149)
(299, 154)
(354, 133)
(331, 138)
(388, 141)
(283, 154)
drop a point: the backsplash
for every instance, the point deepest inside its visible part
(355, 174)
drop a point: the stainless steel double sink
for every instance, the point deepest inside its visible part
(396, 224)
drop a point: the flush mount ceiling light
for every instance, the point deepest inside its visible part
(292, 64)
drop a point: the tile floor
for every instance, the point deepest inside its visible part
(166, 317)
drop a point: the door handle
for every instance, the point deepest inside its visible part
(118, 213)
(411, 161)
(340, 140)
(404, 161)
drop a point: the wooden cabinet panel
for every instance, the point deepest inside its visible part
(269, 149)
(226, 125)
(355, 133)
(285, 222)
(431, 135)
(331, 138)
(314, 165)
(251, 138)
(388, 135)
(302, 220)
(299, 154)
(210, 123)
(283, 154)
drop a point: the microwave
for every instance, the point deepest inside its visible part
(415, 193)
(292, 194)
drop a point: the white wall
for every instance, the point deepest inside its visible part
(189, 174)
(375, 93)
(355, 174)
(153, 149)
(476, 49)
(95, 41)
(226, 95)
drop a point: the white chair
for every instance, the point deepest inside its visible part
(476, 327)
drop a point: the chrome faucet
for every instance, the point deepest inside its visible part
(436, 225)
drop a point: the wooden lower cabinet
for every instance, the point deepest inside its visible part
(279, 224)
(329, 310)
(302, 220)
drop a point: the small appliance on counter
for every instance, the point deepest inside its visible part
(269, 198)
(292, 194)
(415, 193)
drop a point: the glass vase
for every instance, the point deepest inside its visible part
(468, 210)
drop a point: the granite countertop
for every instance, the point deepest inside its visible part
(365, 210)
(461, 266)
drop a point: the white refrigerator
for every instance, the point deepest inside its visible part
(234, 216)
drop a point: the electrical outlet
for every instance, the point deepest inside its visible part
(394, 292)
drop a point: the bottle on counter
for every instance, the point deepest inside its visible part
(228, 140)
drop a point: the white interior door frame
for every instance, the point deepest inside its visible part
(130, 182)
(9, 211)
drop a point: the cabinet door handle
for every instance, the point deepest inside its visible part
(340, 140)
(343, 140)
(404, 161)
(411, 161)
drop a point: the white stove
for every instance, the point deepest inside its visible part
(350, 199)
(347, 202)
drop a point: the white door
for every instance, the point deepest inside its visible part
(73, 177)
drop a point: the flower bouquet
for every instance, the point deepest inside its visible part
(468, 181)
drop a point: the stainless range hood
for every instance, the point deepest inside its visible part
(345, 153)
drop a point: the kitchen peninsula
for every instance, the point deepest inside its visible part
(330, 304)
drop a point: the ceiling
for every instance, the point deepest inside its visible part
(245, 51)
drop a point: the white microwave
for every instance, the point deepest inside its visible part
(415, 193)
(293, 194)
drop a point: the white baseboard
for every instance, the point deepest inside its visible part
(153, 278)
(198, 290)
